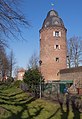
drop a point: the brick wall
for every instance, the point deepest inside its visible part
(71, 74)
(74, 74)
(50, 67)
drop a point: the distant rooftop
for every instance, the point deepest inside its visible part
(71, 70)
(21, 70)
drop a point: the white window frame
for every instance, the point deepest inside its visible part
(53, 33)
(57, 47)
(57, 33)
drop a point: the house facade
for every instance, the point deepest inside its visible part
(20, 74)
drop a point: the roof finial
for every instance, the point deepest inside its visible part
(52, 4)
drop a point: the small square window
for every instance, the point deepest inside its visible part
(57, 47)
(57, 33)
(57, 59)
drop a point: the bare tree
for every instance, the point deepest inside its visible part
(4, 64)
(16, 69)
(3, 43)
(11, 19)
(74, 58)
(33, 61)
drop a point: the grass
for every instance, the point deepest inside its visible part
(16, 104)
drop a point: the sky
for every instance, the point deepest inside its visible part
(35, 12)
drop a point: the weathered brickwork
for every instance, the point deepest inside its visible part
(71, 74)
(74, 74)
(53, 52)
(48, 54)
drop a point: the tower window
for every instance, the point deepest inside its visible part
(57, 59)
(57, 47)
(57, 33)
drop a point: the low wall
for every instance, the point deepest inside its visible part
(74, 74)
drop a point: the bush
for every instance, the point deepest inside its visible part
(24, 86)
(32, 78)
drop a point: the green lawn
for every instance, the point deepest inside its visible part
(15, 104)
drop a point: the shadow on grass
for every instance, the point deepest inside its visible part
(76, 114)
(64, 114)
(54, 114)
(22, 103)
(75, 110)
(25, 108)
(12, 99)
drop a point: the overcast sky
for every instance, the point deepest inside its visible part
(35, 11)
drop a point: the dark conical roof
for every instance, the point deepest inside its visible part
(52, 19)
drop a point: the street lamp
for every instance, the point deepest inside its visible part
(40, 62)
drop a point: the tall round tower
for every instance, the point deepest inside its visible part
(53, 49)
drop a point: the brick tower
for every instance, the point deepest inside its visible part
(53, 49)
